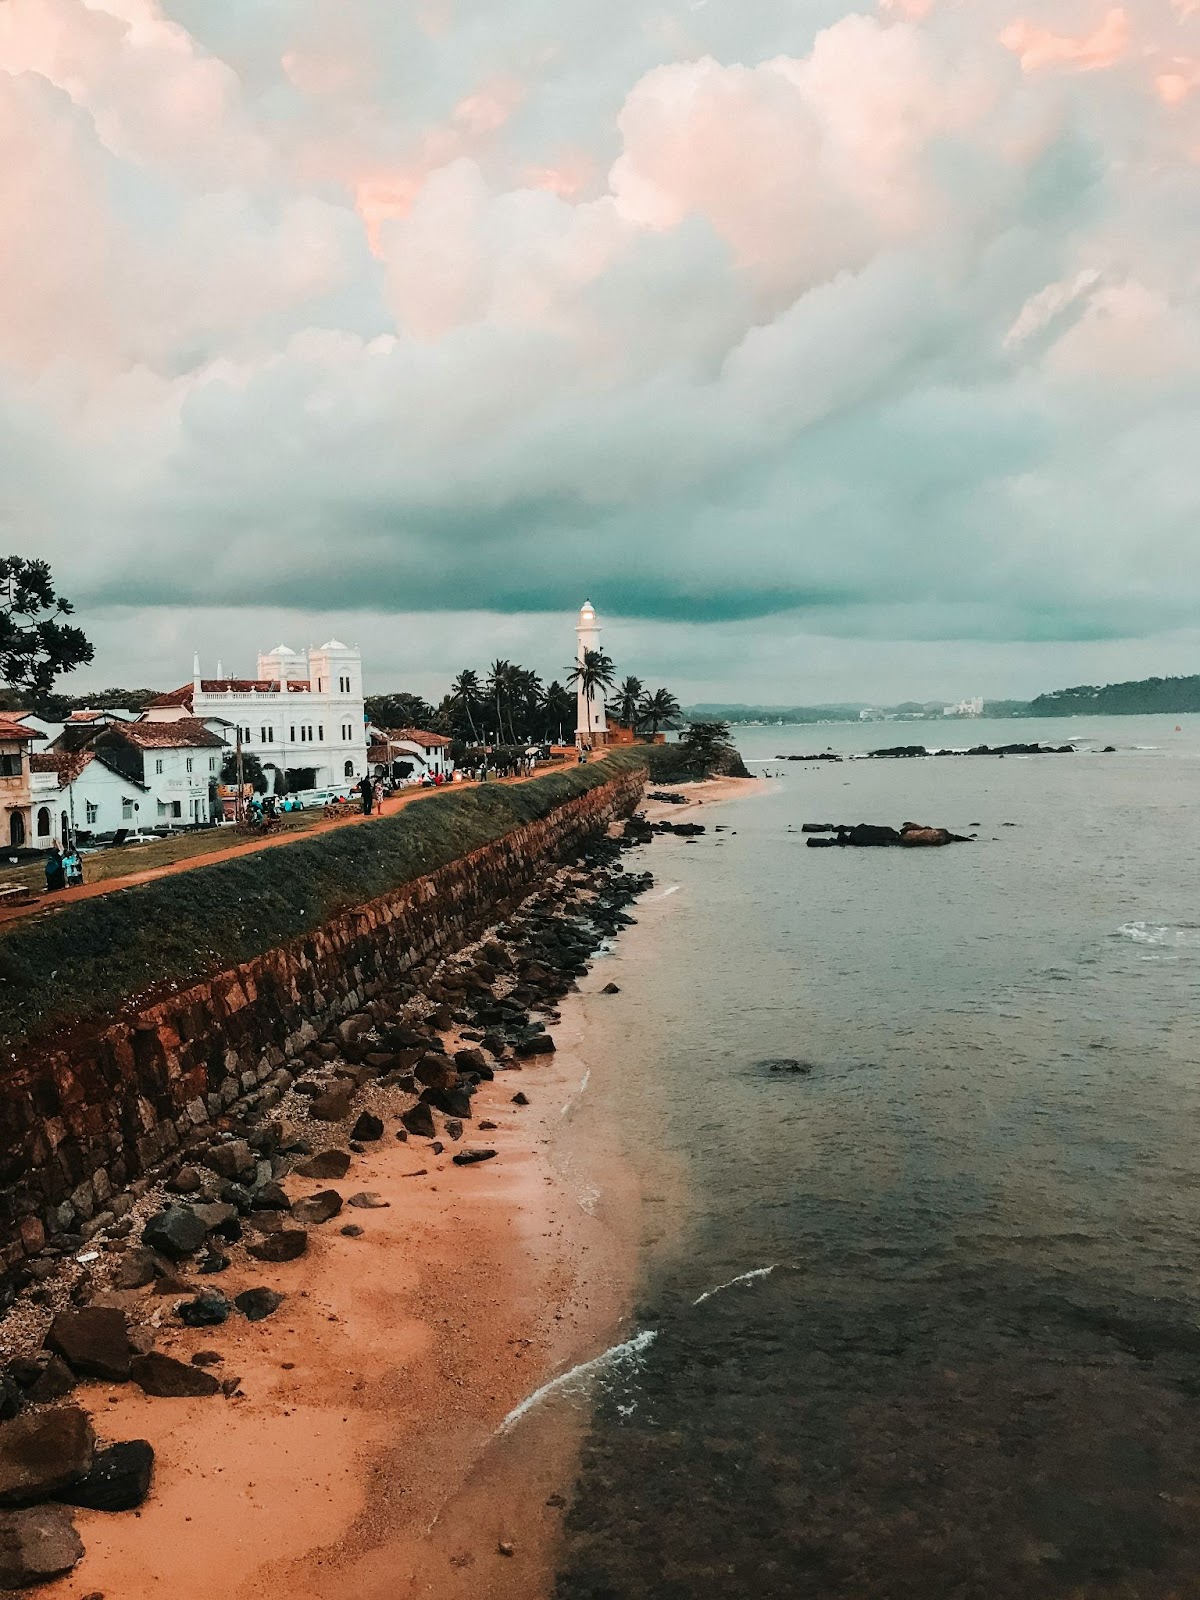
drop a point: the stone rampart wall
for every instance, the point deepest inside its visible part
(94, 1109)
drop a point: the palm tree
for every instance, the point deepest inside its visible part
(527, 695)
(595, 672)
(557, 709)
(657, 708)
(500, 687)
(628, 695)
(466, 696)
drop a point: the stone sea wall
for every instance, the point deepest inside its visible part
(92, 1110)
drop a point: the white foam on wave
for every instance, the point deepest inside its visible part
(1154, 933)
(573, 1100)
(742, 1277)
(579, 1379)
(674, 889)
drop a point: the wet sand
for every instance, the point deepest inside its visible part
(360, 1458)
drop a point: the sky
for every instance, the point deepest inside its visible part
(833, 351)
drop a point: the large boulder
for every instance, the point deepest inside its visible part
(93, 1341)
(119, 1479)
(453, 1102)
(167, 1379)
(325, 1164)
(174, 1232)
(537, 1044)
(43, 1453)
(286, 1245)
(37, 1545)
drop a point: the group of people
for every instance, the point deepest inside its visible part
(64, 869)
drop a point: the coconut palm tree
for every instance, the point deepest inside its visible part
(500, 689)
(656, 709)
(628, 695)
(595, 672)
(557, 710)
(466, 696)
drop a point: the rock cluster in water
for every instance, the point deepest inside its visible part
(913, 835)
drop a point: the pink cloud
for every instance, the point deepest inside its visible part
(1039, 47)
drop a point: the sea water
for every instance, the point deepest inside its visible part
(926, 1310)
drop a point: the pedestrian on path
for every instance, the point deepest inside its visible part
(367, 789)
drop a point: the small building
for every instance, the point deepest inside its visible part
(80, 795)
(15, 783)
(178, 763)
(408, 753)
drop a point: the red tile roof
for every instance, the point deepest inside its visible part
(185, 734)
(16, 731)
(431, 741)
(68, 764)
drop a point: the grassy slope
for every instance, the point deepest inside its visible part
(88, 957)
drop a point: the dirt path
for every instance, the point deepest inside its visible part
(245, 846)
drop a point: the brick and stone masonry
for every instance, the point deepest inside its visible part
(86, 1112)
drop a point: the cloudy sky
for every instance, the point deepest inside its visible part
(834, 350)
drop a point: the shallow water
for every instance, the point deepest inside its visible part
(974, 1366)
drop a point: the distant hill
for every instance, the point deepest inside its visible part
(1145, 697)
(741, 713)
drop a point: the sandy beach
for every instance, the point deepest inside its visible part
(360, 1457)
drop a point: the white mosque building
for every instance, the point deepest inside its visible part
(591, 723)
(301, 714)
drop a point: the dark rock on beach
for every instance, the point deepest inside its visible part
(119, 1479)
(418, 1119)
(167, 1379)
(255, 1304)
(320, 1207)
(175, 1232)
(93, 1341)
(368, 1127)
(37, 1545)
(471, 1158)
(44, 1453)
(286, 1245)
(326, 1164)
(208, 1310)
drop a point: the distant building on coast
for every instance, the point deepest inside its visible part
(966, 708)
(304, 717)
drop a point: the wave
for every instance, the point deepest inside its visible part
(1186, 936)
(621, 1356)
(742, 1277)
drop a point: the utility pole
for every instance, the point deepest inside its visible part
(239, 809)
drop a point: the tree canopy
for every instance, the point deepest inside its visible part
(36, 645)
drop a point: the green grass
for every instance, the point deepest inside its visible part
(85, 958)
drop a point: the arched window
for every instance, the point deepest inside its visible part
(43, 823)
(16, 830)
(349, 769)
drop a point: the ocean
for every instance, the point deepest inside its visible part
(921, 1317)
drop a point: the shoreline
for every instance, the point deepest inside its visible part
(360, 1458)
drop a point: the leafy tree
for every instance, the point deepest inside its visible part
(36, 646)
(399, 711)
(661, 706)
(500, 685)
(526, 702)
(629, 696)
(594, 674)
(252, 771)
(706, 748)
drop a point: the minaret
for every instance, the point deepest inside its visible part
(591, 727)
(196, 690)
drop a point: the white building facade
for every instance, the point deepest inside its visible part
(302, 714)
(591, 725)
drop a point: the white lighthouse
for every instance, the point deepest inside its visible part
(591, 726)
